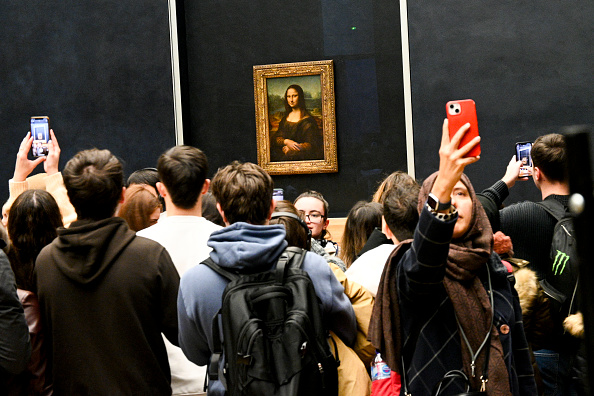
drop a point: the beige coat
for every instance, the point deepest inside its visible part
(353, 377)
(53, 184)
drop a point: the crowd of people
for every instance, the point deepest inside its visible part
(103, 289)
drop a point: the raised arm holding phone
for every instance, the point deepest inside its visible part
(456, 314)
(51, 180)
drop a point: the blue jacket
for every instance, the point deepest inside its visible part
(250, 248)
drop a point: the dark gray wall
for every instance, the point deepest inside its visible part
(100, 70)
(528, 66)
(224, 41)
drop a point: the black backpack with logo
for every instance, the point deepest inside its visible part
(274, 339)
(561, 275)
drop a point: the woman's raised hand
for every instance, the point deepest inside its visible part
(53, 155)
(452, 161)
(25, 166)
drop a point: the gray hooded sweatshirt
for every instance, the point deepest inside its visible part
(250, 248)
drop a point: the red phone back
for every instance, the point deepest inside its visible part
(459, 113)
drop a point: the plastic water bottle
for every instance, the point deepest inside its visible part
(379, 369)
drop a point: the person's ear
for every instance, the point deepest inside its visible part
(122, 196)
(326, 222)
(222, 214)
(385, 229)
(536, 173)
(161, 189)
(205, 186)
(272, 207)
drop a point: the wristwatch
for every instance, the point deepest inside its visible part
(436, 206)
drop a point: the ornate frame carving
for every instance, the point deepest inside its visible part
(292, 73)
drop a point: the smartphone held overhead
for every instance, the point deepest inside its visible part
(40, 131)
(523, 153)
(459, 113)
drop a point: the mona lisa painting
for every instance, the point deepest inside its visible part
(296, 128)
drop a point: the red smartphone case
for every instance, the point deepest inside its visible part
(460, 112)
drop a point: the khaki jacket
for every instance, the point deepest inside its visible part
(353, 377)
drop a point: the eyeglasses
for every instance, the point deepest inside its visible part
(314, 218)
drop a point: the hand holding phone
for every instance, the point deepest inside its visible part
(53, 156)
(523, 153)
(453, 159)
(40, 131)
(459, 113)
(24, 166)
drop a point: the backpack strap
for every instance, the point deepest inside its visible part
(291, 257)
(217, 353)
(554, 208)
(230, 276)
(215, 358)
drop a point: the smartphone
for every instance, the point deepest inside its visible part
(460, 112)
(278, 194)
(40, 132)
(523, 150)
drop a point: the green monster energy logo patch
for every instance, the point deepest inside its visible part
(561, 260)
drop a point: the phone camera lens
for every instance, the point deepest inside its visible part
(457, 111)
(452, 106)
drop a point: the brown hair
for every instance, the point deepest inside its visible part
(314, 194)
(317, 195)
(244, 191)
(183, 169)
(395, 178)
(362, 219)
(297, 234)
(550, 156)
(210, 211)
(5, 243)
(32, 224)
(94, 180)
(139, 204)
(400, 210)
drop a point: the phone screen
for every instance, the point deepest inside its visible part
(277, 194)
(523, 154)
(40, 133)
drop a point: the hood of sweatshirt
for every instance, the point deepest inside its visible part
(87, 249)
(247, 248)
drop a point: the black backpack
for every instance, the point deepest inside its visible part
(275, 341)
(561, 275)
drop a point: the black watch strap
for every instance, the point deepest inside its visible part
(435, 205)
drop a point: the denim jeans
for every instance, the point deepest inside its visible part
(555, 371)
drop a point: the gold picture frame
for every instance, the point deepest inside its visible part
(296, 135)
